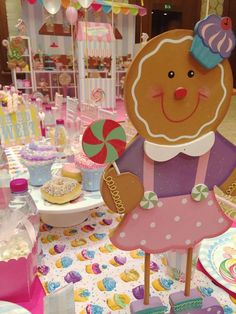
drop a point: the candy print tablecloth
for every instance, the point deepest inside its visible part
(85, 256)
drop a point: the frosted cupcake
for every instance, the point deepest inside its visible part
(91, 172)
(214, 40)
(38, 157)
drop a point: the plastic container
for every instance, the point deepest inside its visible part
(49, 122)
(19, 227)
(22, 200)
(61, 137)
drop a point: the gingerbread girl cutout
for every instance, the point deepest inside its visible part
(177, 92)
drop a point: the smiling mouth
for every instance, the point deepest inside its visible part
(200, 95)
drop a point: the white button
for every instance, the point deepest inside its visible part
(177, 218)
(210, 203)
(187, 242)
(198, 224)
(220, 220)
(135, 216)
(184, 201)
(218, 312)
(152, 225)
(122, 235)
(209, 310)
(160, 204)
(168, 236)
(143, 242)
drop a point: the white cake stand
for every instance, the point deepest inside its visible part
(69, 214)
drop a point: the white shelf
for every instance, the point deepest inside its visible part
(54, 71)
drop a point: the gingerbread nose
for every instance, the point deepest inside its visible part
(180, 93)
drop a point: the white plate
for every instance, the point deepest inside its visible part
(213, 253)
(86, 201)
(11, 308)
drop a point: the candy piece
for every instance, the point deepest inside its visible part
(149, 200)
(97, 95)
(199, 192)
(104, 141)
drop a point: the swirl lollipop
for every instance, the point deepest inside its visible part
(104, 141)
(97, 95)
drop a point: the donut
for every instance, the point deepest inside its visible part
(60, 190)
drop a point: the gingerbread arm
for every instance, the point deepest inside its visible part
(229, 185)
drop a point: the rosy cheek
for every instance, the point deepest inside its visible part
(156, 92)
(204, 93)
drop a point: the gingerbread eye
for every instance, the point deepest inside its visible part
(171, 74)
(191, 73)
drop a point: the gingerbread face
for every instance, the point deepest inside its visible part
(170, 97)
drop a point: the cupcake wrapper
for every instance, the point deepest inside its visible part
(91, 179)
(203, 54)
(39, 174)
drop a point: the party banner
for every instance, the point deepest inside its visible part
(20, 127)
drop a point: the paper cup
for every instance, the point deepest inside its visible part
(176, 263)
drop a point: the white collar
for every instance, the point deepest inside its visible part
(195, 148)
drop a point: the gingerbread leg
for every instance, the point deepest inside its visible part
(148, 305)
(191, 301)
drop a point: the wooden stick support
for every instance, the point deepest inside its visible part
(146, 278)
(116, 167)
(188, 272)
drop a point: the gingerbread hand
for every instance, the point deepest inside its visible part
(121, 192)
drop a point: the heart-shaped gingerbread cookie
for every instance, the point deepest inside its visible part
(121, 192)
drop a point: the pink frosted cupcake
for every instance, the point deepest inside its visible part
(91, 172)
(214, 40)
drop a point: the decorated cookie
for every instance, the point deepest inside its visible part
(78, 242)
(93, 309)
(87, 228)
(162, 284)
(85, 255)
(51, 286)
(49, 238)
(107, 284)
(106, 222)
(93, 269)
(137, 254)
(64, 262)
(97, 237)
(57, 249)
(118, 302)
(73, 276)
(118, 261)
(129, 275)
(107, 248)
(70, 232)
(81, 295)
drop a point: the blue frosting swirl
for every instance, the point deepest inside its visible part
(166, 283)
(109, 283)
(66, 261)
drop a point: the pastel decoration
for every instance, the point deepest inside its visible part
(71, 15)
(200, 192)
(85, 3)
(98, 95)
(214, 40)
(104, 141)
(19, 128)
(65, 3)
(228, 270)
(149, 200)
(106, 9)
(52, 6)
